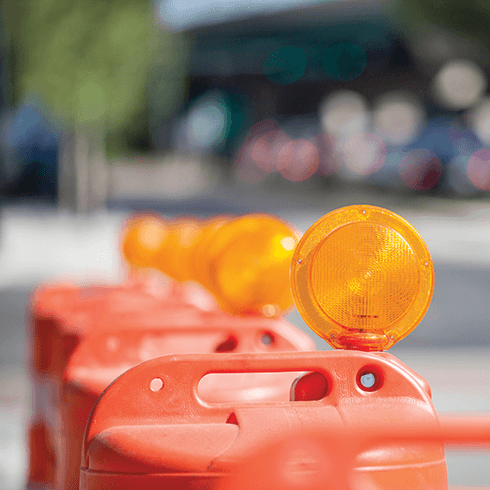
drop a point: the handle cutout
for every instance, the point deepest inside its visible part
(257, 387)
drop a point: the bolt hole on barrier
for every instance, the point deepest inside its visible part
(156, 384)
(267, 339)
(370, 379)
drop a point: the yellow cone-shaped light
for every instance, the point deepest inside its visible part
(362, 278)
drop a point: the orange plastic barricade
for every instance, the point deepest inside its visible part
(247, 272)
(61, 316)
(107, 354)
(137, 437)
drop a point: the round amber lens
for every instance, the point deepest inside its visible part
(362, 278)
(143, 236)
(173, 258)
(199, 256)
(249, 265)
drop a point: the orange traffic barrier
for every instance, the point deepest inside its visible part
(67, 320)
(362, 278)
(107, 354)
(61, 316)
(170, 438)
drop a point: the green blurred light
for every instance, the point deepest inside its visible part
(344, 62)
(285, 65)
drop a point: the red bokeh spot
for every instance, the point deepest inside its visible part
(264, 149)
(329, 158)
(479, 169)
(297, 160)
(420, 169)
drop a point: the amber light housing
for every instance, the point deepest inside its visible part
(143, 235)
(362, 278)
(249, 260)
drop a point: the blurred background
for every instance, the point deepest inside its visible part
(284, 106)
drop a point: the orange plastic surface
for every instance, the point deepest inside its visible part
(61, 316)
(103, 356)
(90, 336)
(170, 438)
(362, 278)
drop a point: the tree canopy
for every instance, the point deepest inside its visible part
(91, 61)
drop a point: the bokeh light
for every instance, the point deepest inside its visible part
(364, 153)
(246, 169)
(329, 154)
(297, 160)
(344, 61)
(479, 169)
(479, 119)
(420, 169)
(285, 65)
(398, 117)
(459, 84)
(344, 113)
(208, 122)
(457, 177)
(264, 150)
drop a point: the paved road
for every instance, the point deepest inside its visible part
(450, 347)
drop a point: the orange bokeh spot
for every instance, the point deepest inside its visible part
(142, 237)
(362, 278)
(249, 262)
(297, 160)
(479, 169)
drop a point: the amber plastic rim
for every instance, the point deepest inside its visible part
(304, 256)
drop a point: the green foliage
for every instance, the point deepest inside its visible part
(470, 18)
(91, 60)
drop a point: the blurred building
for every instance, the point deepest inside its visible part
(285, 63)
(365, 100)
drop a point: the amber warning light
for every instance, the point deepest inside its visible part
(243, 261)
(362, 278)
